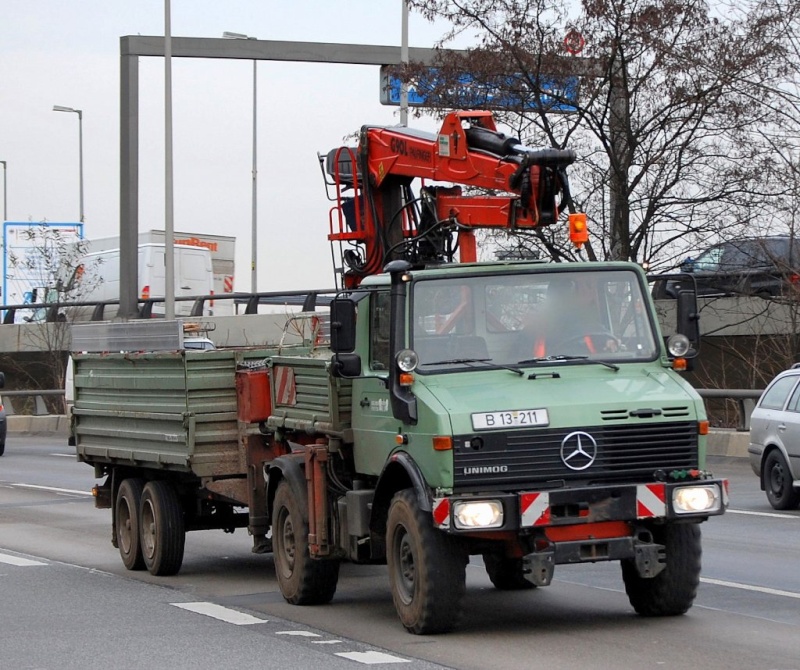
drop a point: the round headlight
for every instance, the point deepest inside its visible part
(678, 345)
(407, 360)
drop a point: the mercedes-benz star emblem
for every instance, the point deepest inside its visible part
(578, 450)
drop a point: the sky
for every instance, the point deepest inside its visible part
(67, 53)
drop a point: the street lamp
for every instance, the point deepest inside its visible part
(5, 192)
(254, 224)
(59, 108)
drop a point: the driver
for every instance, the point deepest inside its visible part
(569, 322)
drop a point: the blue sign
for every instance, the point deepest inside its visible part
(507, 92)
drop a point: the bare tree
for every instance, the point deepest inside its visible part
(678, 109)
(53, 269)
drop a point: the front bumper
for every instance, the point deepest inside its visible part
(530, 510)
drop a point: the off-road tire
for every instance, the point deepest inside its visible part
(126, 523)
(506, 573)
(778, 482)
(427, 568)
(303, 580)
(162, 530)
(672, 591)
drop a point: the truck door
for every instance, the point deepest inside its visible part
(374, 427)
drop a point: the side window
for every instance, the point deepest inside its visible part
(775, 396)
(794, 401)
(379, 329)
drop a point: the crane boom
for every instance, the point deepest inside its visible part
(520, 188)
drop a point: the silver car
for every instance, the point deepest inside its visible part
(775, 440)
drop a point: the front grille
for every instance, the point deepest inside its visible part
(625, 453)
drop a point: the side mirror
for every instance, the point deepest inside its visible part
(688, 317)
(346, 365)
(343, 325)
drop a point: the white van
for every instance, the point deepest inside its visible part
(98, 274)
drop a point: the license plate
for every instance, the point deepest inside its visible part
(515, 418)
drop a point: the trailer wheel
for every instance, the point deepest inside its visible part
(778, 482)
(672, 591)
(303, 580)
(506, 573)
(162, 530)
(427, 568)
(126, 522)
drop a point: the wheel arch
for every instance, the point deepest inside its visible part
(401, 472)
(288, 468)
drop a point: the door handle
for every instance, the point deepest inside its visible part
(781, 426)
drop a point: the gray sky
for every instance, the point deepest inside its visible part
(67, 53)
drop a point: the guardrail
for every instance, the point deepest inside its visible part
(745, 400)
(39, 405)
(52, 311)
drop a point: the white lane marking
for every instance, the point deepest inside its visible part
(221, 613)
(21, 562)
(72, 456)
(371, 657)
(774, 515)
(326, 642)
(748, 587)
(51, 488)
(298, 633)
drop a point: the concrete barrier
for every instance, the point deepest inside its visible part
(721, 442)
(52, 424)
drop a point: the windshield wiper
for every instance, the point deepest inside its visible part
(471, 361)
(563, 358)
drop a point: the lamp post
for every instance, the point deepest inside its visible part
(254, 222)
(5, 192)
(59, 108)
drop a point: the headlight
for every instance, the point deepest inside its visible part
(694, 499)
(407, 360)
(678, 345)
(478, 514)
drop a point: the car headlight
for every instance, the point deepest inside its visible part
(695, 499)
(478, 514)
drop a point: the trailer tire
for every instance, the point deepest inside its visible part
(778, 482)
(672, 591)
(162, 529)
(126, 522)
(506, 573)
(303, 580)
(427, 568)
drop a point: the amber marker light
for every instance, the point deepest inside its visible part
(442, 443)
(578, 231)
(406, 379)
(679, 364)
(702, 427)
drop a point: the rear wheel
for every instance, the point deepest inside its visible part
(778, 482)
(672, 591)
(427, 568)
(506, 573)
(126, 522)
(303, 580)
(163, 534)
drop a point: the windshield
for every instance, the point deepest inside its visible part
(528, 318)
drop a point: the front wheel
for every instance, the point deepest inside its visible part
(671, 591)
(778, 482)
(162, 530)
(427, 568)
(303, 580)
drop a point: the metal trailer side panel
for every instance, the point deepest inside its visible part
(308, 398)
(169, 410)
